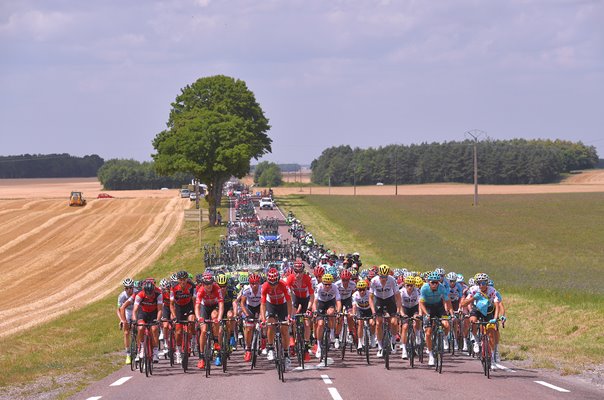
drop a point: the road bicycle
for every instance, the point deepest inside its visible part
(133, 350)
(438, 338)
(485, 352)
(146, 363)
(300, 346)
(279, 352)
(386, 339)
(411, 344)
(185, 343)
(208, 349)
(255, 344)
(326, 339)
(170, 341)
(366, 336)
(344, 333)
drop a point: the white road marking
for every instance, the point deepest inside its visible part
(549, 385)
(121, 381)
(503, 367)
(334, 393)
(312, 367)
(94, 398)
(326, 379)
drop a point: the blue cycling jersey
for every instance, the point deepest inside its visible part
(428, 296)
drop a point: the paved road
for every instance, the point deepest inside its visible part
(351, 378)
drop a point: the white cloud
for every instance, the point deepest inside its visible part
(37, 24)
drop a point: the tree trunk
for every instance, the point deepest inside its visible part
(214, 198)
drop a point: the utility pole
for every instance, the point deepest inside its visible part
(395, 170)
(354, 179)
(475, 134)
(329, 190)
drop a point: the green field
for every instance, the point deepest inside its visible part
(544, 252)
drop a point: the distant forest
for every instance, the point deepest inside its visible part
(117, 174)
(516, 161)
(49, 166)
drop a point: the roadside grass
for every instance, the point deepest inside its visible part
(86, 344)
(544, 252)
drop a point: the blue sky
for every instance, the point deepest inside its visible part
(98, 76)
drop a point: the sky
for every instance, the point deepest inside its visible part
(84, 77)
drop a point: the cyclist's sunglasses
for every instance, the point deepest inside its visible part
(434, 282)
(361, 290)
(327, 284)
(409, 285)
(481, 283)
(383, 276)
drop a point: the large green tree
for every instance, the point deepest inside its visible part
(215, 128)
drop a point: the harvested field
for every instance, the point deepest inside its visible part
(55, 258)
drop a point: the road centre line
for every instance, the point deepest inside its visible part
(94, 398)
(326, 379)
(549, 385)
(503, 367)
(121, 381)
(334, 393)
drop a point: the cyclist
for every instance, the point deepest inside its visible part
(209, 304)
(346, 288)
(229, 294)
(250, 305)
(361, 308)
(501, 313)
(303, 294)
(433, 303)
(484, 308)
(385, 297)
(327, 301)
(166, 314)
(182, 309)
(276, 302)
(455, 294)
(149, 301)
(124, 325)
(410, 299)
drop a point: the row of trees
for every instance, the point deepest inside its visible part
(49, 166)
(267, 174)
(516, 161)
(119, 174)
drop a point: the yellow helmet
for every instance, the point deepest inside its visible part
(384, 270)
(362, 284)
(327, 278)
(410, 280)
(419, 282)
(222, 280)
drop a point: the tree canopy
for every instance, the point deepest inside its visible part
(119, 174)
(267, 174)
(49, 166)
(215, 128)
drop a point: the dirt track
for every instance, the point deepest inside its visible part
(74, 256)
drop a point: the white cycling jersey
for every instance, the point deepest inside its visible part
(251, 299)
(362, 302)
(326, 294)
(383, 291)
(410, 300)
(345, 292)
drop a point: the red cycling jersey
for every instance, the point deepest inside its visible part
(165, 295)
(182, 295)
(211, 297)
(301, 288)
(277, 294)
(149, 303)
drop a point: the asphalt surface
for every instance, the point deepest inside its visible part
(351, 378)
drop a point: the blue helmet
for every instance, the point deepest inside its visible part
(434, 276)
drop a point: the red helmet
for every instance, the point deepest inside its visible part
(319, 271)
(345, 275)
(207, 278)
(273, 276)
(254, 278)
(371, 274)
(400, 280)
(298, 266)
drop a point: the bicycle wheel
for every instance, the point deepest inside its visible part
(132, 349)
(145, 359)
(254, 347)
(421, 345)
(325, 344)
(224, 346)
(185, 349)
(171, 347)
(411, 346)
(487, 356)
(441, 350)
(366, 339)
(387, 347)
(344, 340)
(207, 355)
(300, 348)
(278, 354)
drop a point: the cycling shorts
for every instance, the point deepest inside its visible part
(206, 311)
(278, 311)
(147, 317)
(183, 312)
(255, 313)
(165, 312)
(347, 303)
(303, 301)
(364, 313)
(323, 306)
(388, 305)
(455, 304)
(482, 318)
(411, 311)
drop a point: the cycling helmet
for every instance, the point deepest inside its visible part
(434, 276)
(164, 284)
(273, 276)
(471, 281)
(152, 280)
(173, 278)
(208, 278)
(491, 283)
(254, 278)
(222, 280)
(397, 272)
(319, 271)
(345, 275)
(354, 274)
(138, 285)
(371, 274)
(481, 276)
(363, 274)
(356, 254)
(362, 284)
(327, 278)
(298, 265)
(452, 276)
(190, 275)
(460, 278)
(400, 280)
(419, 282)
(128, 283)
(333, 270)
(410, 280)
(149, 287)
(404, 270)
(440, 271)
(384, 270)
(199, 279)
(182, 275)
(244, 279)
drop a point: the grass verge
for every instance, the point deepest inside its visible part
(67, 354)
(543, 251)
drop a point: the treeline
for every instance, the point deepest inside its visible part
(282, 167)
(119, 174)
(516, 161)
(267, 174)
(49, 166)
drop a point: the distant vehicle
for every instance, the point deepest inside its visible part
(192, 196)
(104, 196)
(76, 199)
(269, 237)
(266, 203)
(164, 188)
(379, 184)
(184, 193)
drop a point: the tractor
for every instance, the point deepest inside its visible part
(77, 199)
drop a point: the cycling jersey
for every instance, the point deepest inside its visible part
(429, 296)
(410, 300)
(325, 295)
(121, 299)
(209, 297)
(230, 295)
(345, 292)
(484, 301)
(455, 292)
(149, 303)
(180, 295)
(362, 302)
(278, 294)
(251, 299)
(383, 291)
(302, 288)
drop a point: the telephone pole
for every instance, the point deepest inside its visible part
(475, 134)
